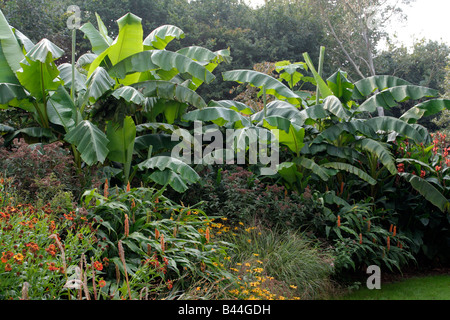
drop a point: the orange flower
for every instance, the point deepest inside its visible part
(207, 235)
(162, 243)
(156, 234)
(18, 257)
(388, 243)
(98, 265)
(390, 228)
(133, 204)
(360, 238)
(339, 221)
(128, 186)
(368, 225)
(8, 267)
(395, 231)
(102, 283)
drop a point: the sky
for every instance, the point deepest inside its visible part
(429, 19)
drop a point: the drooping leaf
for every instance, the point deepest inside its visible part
(258, 79)
(341, 87)
(10, 92)
(121, 138)
(161, 36)
(390, 97)
(427, 190)
(10, 47)
(425, 109)
(325, 91)
(367, 86)
(391, 124)
(218, 115)
(90, 141)
(61, 109)
(35, 132)
(289, 133)
(65, 73)
(351, 169)
(234, 105)
(334, 105)
(45, 51)
(138, 62)
(281, 109)
(98, 42)
(98, 84)
(310, 164)
(129, 94)
(170, 91)
(381, 152)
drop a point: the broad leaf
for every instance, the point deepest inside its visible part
(234, 105)
(334, 106)
(351, 169)
(98, 84)
(367, 86)
(341, 87)
(129, 94)
(290, 134)
(320, 171)
(60, 109)
(10, 47)
(425, 109)
(218, 115)
(90, 141)
(161, 36)
(138, 62)
(427, 190)
(121, 138)
(390, 97)
(381, 152)
(390, 124)
(170, 91)
(258, 79)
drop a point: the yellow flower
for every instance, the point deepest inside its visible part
(293, 287)
(18, 257)
(256, 254)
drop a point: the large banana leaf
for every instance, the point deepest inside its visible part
(98, 84)
(390, 124)
(325, 91)
(127, 43)
(218, 115)
(427, 190)
(380, 151)
(10, 47)
(173, 171)
(351, 169)
(170, 91)
(279, 108)
(90, 141)
(260, 80)
(425, 109)
(390, 97)
(129, 94)
(161, 36)
(334, 106)
(11, 94)
(339, 84)
(354, 127)
(320, 171)
(289, 133)
(65, 73)
(232, 104)
(367, 86)
(39, 73)
(121, 138)
(6, 73)
(100, 41)
(61, 109)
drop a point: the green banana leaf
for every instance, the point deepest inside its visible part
(334, 106)
(380, 151)
(390, 124)
(161, 36)
(390, 97)
(90, 141)
(129, 94)
(10, 47)
(260, 80)
(428, 191)
(61, 109)
(351, 169)
(234, 105)
(121, 138)
(425, 109)
(289, 133)
(367, 86)
(98, 84)
(310, 164)
(170, 91)
(341, 87)
(218, 115)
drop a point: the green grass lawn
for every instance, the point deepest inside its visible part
(420, 288)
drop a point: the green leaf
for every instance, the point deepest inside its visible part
(36, 132)
(323, 173)
(121, 138)
(325, 91)
(351, 169)
(161, 36)
(334, 105)
(90, 141)
(218, 115)
(234, 105)
(425, 109)
(6, 73)
(282, 109)
(260, 80)
(289, 135)
(98, 84)
(65, 73)
(10, 47)
(390, 124)
(390, 97)
(341, 87)
(170, 91)
(11, 92)
(98, 42)
(168, 60)
(367, 86)
(428, 191)
(138, 62)
(129, 94)
(288, 171)
(381, 152)
(61, 109)
(45, 51)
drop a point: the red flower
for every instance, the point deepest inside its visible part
(401, 167)
(102, 283)
(422, 173)
(438, 168)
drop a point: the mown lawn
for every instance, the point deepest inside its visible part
(435, 287)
